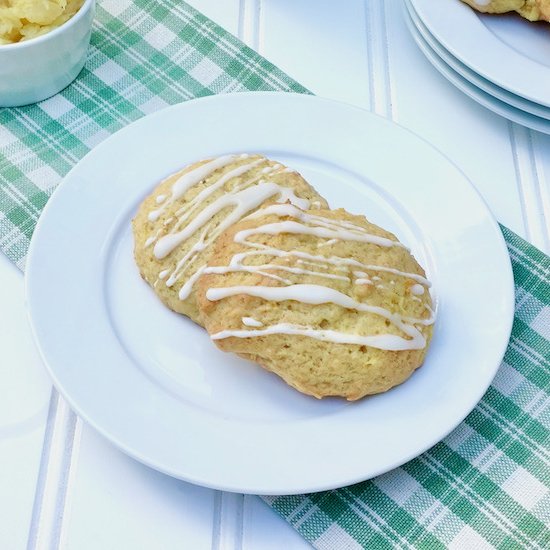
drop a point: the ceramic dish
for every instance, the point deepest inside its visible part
(508, 50)
(487, 100)
(478, 81)
(152, 382)
(36, 69)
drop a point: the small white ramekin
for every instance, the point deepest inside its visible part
(36, 69)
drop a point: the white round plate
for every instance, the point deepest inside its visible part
(482, 83)
(152, 382)
(487, 100)
(506, 49)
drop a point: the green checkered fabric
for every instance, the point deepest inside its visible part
(486, 485)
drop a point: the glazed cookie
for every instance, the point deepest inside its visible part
(534, 10)
(176, 225)
(331, 303)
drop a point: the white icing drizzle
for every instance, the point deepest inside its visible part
(248, 269)
(183, 262)
(286, 209)
(327, 243)
(414, 276)
(232, 268)
(185, 290)
(380, 341)
(323, 227)
(186, 211)
(316, 295)
(194, 204)
(238, 202)
(154, 237)
(417, 290)
(305, 223)
(305, 293)
(250, 322)
(427, 321)
(189, 179)
(242, 202)
(316, 263)
(302, 229)
(160, 199)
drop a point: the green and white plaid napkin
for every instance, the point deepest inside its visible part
(486, 485)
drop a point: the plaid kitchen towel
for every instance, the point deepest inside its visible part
(486, 485)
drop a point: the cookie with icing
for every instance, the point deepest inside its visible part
(176, 226)
(331, 303)
(533, 10)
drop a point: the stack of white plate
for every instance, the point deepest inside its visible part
(500, 61)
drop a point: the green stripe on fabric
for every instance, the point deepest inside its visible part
(525, 361)
(536, 256)
(529, 338)
(536, 282)
(472, 497)
(302, 514)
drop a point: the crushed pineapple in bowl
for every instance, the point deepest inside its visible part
(25, 19)
(43, 45)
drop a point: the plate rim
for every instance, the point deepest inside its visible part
(470, 89)
(268, 490)
(515, 101)
(461, 46)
